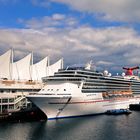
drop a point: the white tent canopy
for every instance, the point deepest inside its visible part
(24, 69)
(5, 61)
(21, 69)
(54, 67)
(39, 69)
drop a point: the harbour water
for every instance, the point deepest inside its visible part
(101, 127)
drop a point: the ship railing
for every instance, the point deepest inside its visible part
(112, 94)
(28, 82)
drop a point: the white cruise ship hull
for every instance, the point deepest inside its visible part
(64, 107)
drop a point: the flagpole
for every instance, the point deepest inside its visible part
(11, 64)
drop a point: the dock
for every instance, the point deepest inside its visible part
(25, 115)
(135, 107)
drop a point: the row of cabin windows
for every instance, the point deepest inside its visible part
(56, 90)
(136, 84)
(115, 80)
(77, 75)
(135, 87)
(105, 81)
(63, 79)
(81, 72)
(5, 100)
(14, 91)
(3, 108)
(93, 76)
(102, 88)
(107, 85)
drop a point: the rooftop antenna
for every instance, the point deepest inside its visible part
(11, 64)
(88, 65)
(62, 63)
(31, 66)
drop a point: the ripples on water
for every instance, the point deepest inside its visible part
(103, 127)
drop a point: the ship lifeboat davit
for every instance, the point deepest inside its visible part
(129, 71)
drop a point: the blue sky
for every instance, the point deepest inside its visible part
(106, 32)
(12, 12)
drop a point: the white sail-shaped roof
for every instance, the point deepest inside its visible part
(39, 69)
(21, 69)
(54, 67)
(5, 60)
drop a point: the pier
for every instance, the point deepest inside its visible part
(25, 115)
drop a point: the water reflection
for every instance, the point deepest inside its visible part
(85, 128)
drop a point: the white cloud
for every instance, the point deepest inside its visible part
(58, 17)
(107, 47)
(56, 20)
(119, 10)
(104, 63)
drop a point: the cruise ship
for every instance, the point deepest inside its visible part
(80, 91)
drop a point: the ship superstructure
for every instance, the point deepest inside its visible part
(78, 91)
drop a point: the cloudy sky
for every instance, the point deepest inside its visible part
(104, 31)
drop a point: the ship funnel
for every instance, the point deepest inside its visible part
(129, 71)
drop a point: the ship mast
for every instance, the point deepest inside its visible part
(31, 67)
